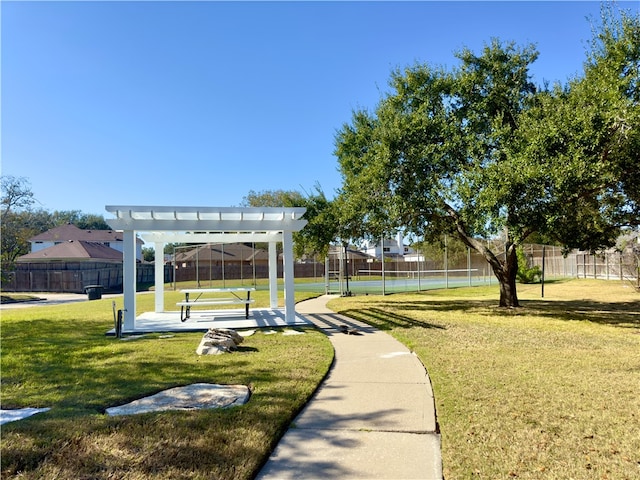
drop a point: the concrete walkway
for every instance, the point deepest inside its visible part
(372, 418)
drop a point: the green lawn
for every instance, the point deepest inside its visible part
(59, 357)
(551, 390)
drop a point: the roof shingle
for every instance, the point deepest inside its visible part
(74, 250)
(71, 232)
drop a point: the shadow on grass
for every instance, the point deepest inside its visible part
(84, 374)
(80, 369)
(386, 315)
(385, 319)
(619, 314)
(151, 445)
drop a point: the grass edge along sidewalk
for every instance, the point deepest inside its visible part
(546, 391)
(59, 357)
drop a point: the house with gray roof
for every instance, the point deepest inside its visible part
(74, 251)
(65, 233)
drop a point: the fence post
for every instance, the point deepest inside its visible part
(327, 266)
(620, 262)
(446, 264)
(382, 268)
(542, 278)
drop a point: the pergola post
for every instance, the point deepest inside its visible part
(273, 275)
(287, 273)
(129, 279)
(159, 276)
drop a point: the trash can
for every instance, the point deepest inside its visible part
(94, 292)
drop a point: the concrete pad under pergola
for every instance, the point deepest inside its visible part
(162, 224)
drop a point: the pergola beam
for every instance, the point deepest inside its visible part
(177, 225)
(207, 219)
(211, 237)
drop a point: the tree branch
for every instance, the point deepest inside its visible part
(470, 241)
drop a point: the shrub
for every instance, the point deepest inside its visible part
(527, 273)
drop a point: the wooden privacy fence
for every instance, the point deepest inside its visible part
(71, 277)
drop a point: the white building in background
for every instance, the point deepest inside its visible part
(391, 247)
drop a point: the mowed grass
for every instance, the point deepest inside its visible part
(547, 391)
(59, 357)
(145, 303)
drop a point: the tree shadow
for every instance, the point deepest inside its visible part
(386, 315)
(385, 319)
(618, 314)
(78, 439)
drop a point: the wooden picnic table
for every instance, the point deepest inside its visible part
(234, 298)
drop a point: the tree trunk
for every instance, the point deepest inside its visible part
(506, 275)
(506, 272)
(508, 293)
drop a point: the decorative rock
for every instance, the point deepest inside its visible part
(190, 397)
(210, 350)
(225, 332)
(219, 340)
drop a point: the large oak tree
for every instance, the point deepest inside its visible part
(479, 152)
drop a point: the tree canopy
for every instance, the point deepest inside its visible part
(320, 230)
(479, 152)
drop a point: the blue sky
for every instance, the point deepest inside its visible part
(197, 103)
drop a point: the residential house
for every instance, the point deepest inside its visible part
(74, 251)
(69, 266)
(391, 248)
(222, 254)
(216, 261)
(64, 233)
(68, 259)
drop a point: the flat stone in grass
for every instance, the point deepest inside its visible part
(190, 397)
(18, 414)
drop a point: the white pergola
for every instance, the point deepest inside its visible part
(161, 225)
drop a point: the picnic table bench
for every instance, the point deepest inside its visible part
(235, 298)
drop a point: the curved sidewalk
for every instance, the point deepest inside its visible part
(372, 417)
